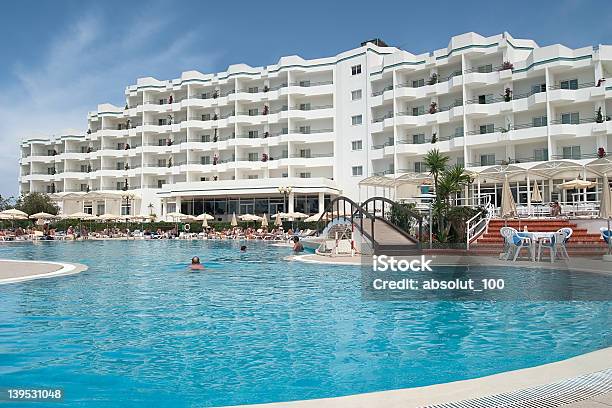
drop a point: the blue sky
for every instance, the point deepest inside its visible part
(62, 58)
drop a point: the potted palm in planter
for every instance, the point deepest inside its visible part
(433, 79)
(433, 108)
(507, 95)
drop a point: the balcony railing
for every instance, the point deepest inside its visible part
(307, 84)
(383, 90)
(387, 115)
(574, 156)
(311, 155)
(315, 107)
(383, 145)
(486, 101)
(479, 132)
(485, 70)
(508, 161)
(309, 131)
(580, 86)
(572, 122)
(526, 94)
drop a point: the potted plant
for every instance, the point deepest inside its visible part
(433, 79)
(507, 95)
(599, 116)
(434, 138)
(433, 108)
(601, 153)
(506, 65)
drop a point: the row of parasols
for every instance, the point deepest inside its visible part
(15, 214)
(508, 205)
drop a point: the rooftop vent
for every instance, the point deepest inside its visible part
(375, 41)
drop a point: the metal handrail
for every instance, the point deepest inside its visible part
(580, 86)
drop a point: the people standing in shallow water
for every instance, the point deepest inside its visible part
(195, 264)
(297, 245)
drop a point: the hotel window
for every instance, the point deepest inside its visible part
(83, 187)
(284, 154)
(356, 145)
(459, 131)
(485, 68)
(161, 162)
(161, 122)
(253, 157)
(571, 152)
(356, 120)
(160, 183)
(87, 205)
(49, 189)
(418, 110)
(304, 106)
(161, 142)
(420, 167)
(253, 134)
(285, 175)
(120, 165)
(206, 95)
(100, 209)
(120, 185)
(203, 178)
(253, 176)
(120, 146)
(205, 160)
(125, 208)
(488, 128)
(569, 84)
(356, 70)
(305, 129)
(418, 138)
(253, 89)
(417, 83)
(357, 170)
(305, 83)
(538, 88)
(253, 112)
(304, 175)
(540, 154)
(305, 153)
(484, 99)
(205, 138)
(487, 159)
(356, 95)
(571, 118)
(83, 168)
(206, 117)
(50, 170)
(539, 121)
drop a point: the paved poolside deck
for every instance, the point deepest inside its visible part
(13, 271)
(475, 388)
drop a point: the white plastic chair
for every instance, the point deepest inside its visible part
(554, 244)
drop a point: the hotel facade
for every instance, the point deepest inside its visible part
(291, 136)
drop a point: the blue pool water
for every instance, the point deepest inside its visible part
(137, 329)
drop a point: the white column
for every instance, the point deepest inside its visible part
(528, 194)
(178, 204)
(322, 202)
(291, 197)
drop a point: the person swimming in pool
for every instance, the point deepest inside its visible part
(243, 248)
(195, 264)
(297, 245)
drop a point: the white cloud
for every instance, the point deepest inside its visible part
(90, 62)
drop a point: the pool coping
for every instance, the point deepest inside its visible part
(574, 264)
(51, 270)
(456, 391)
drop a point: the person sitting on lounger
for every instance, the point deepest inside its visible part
(297, 245)
(195, 264)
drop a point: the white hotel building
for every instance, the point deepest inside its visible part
(225, 142)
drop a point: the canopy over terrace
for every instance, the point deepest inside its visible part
(403, 186)
(488, 181)
(97, 202)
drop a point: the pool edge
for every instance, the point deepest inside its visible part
(47, 269)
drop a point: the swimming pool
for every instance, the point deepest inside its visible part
(138, 329)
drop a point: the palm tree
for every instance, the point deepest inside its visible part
(452, 181)
(436, 163)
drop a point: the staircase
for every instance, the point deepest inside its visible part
(581, 243)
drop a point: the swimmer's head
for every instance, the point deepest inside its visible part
(195, 260)
(243, 248)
